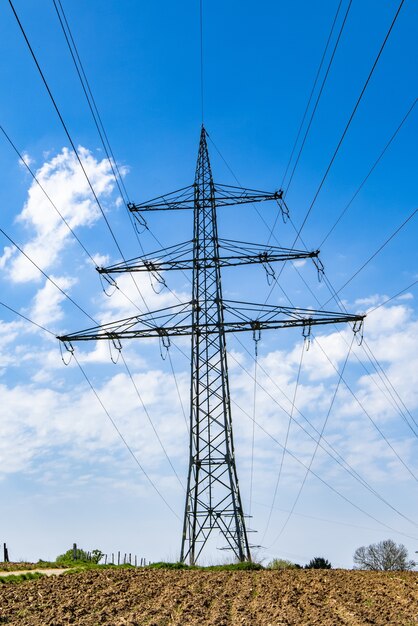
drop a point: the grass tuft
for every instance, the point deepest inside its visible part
(14, 579)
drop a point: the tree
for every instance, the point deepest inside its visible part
(385, 555)
(318, 563)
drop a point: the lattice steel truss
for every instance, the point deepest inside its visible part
(213, 500)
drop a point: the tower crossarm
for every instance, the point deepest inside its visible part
(233, 253)
(223, 195)
(238, 317)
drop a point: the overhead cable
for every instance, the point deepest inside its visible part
(350, 119)
(299, 493)
(289, 423)
(321, 89)
(65, 128)
(371, 170)
(27, 319)
(90, 100)
(128, 447)
(51, 280)
(375, 253)
(338, 458)
(322, 480)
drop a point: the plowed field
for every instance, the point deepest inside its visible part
(161, 597)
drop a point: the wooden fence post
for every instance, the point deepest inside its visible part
(74, 552)
(5, 553)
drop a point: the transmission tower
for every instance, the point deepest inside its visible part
(213, 501)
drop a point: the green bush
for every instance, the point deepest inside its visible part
(231, 567)
(282, 564)
(166, 565)
(246, 565)
(318, 563)
(82, 556)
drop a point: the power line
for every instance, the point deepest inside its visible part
(369, 417)
(311, 94)
(94, 263)
(331, 289)
(396, 295)
(377, 367)
(334, 522)
(375, 253)
(320, 93)
(299, 493)
(150, 420)
(201, 58)
(27, 319)
(93, 320)
(101, 130)
(371, 357)
(289, 423)
(256, 339)
(349, 121)
(128, 447)
(350, 389)
(65, 127)
(47, 277)
(371, 170)
(345, 465)
(322, 480)
(31, 172)
(90, 99)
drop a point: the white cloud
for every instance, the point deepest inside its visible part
(7, 254)
(46, 303)
(65, 183)
(26, 160)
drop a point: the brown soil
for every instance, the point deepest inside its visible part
(265, 598)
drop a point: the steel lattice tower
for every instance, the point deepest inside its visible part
(213, 501)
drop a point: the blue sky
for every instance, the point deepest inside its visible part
(65, 474)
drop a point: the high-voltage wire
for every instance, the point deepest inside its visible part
(275, 280)
(372, 256)
(319, 96)
(72, 46)
(90, 384)
(51, 280)
(312, 93)
(350, 119)
(322, 480)
(27, 319)
(289, 423)
(313, 455)
(131, 452)
(339, 459)
(69, 297)
(369, 173)
(276, 283)
(57, 110)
